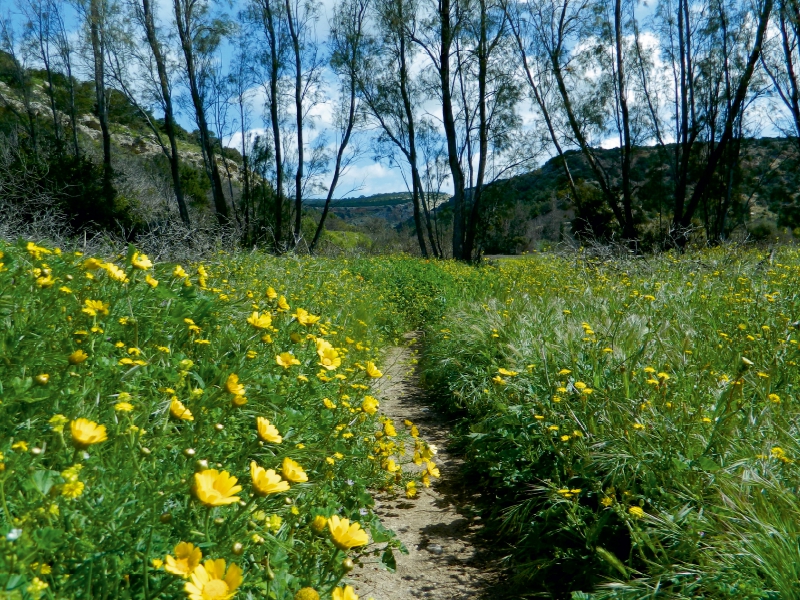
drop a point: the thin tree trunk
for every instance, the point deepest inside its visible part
(483, 138)
(212, 169)
(298, 105)
(96, 23)
(628, 232)
(451, 135)
(683, 220)
(169, 115)
(274, 74)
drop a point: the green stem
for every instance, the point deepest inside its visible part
(3, 498)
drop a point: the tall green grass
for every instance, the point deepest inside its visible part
(646, 444)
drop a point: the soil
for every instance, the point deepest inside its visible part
(439, 527)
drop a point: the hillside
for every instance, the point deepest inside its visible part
(536, 206)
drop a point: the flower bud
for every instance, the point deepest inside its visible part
(145, 451)
(318, 524)
(348, 565)
(42, 379)
(189, 452)
(165, 517)
(201, 465)
(237, 549)
(219, 426)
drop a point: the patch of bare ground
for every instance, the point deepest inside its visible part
(439, 527)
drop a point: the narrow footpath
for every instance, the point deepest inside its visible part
(438, 526)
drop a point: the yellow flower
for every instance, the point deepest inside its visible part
(123, 407)
(86, 432)
(432, 469)
(263, 321)
(329, 359)
(271, 293)
(636, 512)
(20, 446)
(214, 488)
(304, 317)
(370, 405)
(293, 472)
(345, 535)
(140, 261)
(499, 380)
(372, 370)
(344, 593)
(77, 357)
(411, 489)
(328, 404)
(232, 385)
(179, 411)
(157, 563)
(37, 251)
(318, 524)
(179, 272)
(210, 582)
(92, 307)
(187, 558)
(266, 482)
(306, 593)
(564, 372)
(774, 398)
(115, 273)
(72, 489)
(286, 360)
(267, 431)
(282, 304)
(57, 422)
(506, 372)
(388, 428)
(152, 282)
(92, 264)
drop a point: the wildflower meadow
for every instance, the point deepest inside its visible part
(212, 430)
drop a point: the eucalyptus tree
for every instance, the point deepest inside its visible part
(145, 11)
(39, 32)
(268, 15)
(200, 34)
(307, 64)
(711, 50)
(95, 15)
(64, 51)
(392, 97)
(348, 44)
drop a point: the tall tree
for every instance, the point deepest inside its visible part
(347, 56)
(268, 14)
(146, 18)
(199, 36)
(392, 98)
(40, 30)
(684, 212)
(437, 39)
(301, 17)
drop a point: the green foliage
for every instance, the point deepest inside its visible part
(632, 423)
(131, 347)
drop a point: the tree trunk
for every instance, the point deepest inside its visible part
(169, 115)
(274, 75)
(628, 231)
(451, 135)
(212, 169)
(683, 220)
(298, 105)
(96, 24)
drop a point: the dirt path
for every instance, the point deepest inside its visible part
(439, 526)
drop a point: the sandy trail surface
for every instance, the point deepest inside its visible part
(439, 526)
